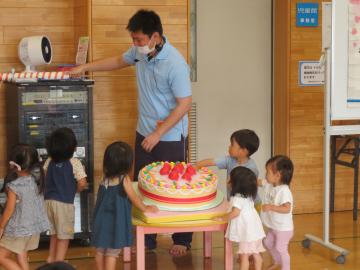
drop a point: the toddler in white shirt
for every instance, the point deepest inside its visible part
(277, 210)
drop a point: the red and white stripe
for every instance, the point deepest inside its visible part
(56, 75)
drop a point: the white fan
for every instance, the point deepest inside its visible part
(34, 51)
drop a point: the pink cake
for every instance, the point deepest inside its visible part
(169, 183)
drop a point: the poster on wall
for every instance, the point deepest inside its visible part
(81, 54)
(311, 73)
(354, 54)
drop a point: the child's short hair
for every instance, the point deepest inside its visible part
(284, 165)
(61, 144)
(247, 139)
(118, 159)
(243, 181)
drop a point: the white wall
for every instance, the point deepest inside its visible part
(233, 88)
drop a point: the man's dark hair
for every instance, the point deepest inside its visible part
(146, 21)
(247, 139)
(243, 182)
(61, 144)
(284, 165)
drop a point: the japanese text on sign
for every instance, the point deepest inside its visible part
(311, 73)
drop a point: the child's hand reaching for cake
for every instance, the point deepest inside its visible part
(204, 163)
(151, 208)
(267, 207)
(197, 166)
(218, 219)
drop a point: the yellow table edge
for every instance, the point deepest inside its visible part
(208, 222)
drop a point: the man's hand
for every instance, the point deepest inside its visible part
(76, 71)
(151, 141)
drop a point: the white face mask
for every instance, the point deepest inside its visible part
(145, 49)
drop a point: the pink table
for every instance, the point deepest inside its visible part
(205, 226)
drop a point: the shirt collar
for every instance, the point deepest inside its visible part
(164, 53)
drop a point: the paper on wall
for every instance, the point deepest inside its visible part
(354, 54)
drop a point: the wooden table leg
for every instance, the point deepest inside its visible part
(207, 236)
(228, 256)
(127, 254)
(127, 266)
(140, 248)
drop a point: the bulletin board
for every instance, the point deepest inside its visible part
(345, 66)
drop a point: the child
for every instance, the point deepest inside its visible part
(112, 216)
(56, 266)
(65, 176)
(243, 143)
(245, 225)
(24, 217)
(277, 210)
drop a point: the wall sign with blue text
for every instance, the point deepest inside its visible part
(307, 14)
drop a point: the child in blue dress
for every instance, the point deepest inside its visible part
(112, 216)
